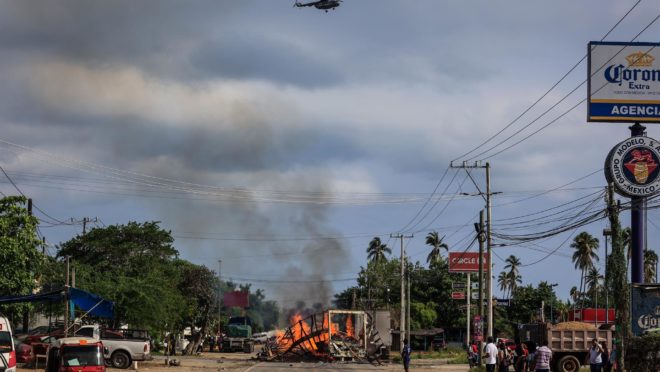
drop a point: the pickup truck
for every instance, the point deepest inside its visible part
(122, 346)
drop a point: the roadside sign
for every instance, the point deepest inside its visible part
(458, 295)
(623, 82)
(632, 166)
(475, 295)
(466, 262)
(502, 302)
(458, 285)
(475, 285)
(646, 307)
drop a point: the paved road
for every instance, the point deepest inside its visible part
(336, 367)
(239, 362)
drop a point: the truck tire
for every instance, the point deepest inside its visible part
(568, 363)
(248, 347)
(121, 359)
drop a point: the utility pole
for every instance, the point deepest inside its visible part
(619, 277)
(66, 300)
(219, 291)
(489, 241)
(402, 323)
(481, 236)
(408, 306)
(87, 220)
(489, 244)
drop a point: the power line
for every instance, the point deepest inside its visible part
(546, 92)
(21, 192)
(552, 107)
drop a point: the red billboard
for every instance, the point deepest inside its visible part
(591, 315)
(236, 299)
(466, 262)
(458, 295)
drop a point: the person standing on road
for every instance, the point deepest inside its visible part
(607, 366)
(595, 357)
(543, 358)
(520, 360)
(211, 343)
(405, 354)
(490, 355)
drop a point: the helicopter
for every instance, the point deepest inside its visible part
(320, 4)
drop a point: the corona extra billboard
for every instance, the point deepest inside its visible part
(645, 307)
(624, 82)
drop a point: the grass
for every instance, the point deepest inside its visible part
(453, 355)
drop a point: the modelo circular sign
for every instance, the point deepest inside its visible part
(633, 166)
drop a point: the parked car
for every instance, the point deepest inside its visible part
(438, 343)
(23, 352)
(37, 337)
(42, 347)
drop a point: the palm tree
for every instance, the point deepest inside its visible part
(435, 241)
(514, 281)
(575, 294)
(592, 280)
(650, 262)
(503, 281)
(513, 264)
(376, 250)
(585, 254)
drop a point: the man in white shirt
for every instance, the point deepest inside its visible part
(595, 356)
(490, 351)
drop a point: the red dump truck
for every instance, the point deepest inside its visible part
(569, 341)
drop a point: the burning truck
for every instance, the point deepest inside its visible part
(333, 335)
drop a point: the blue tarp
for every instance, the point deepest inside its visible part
(85, 301)
(95, 304)
(39, 297)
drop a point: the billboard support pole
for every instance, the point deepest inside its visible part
(637, 224)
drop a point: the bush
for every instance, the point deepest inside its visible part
(643, 353)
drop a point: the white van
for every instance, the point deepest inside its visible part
(7, 350)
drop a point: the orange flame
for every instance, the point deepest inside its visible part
(350, 331)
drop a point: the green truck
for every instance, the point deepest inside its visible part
(238, 336)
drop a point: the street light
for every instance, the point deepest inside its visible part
(552, 315)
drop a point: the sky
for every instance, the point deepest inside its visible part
(280, 140)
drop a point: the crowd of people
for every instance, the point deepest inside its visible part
(499, 357)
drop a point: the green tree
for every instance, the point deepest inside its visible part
(20, 258)
(617, 273)
(513, 264)
(650, 262)
(503, 281)
(422, 315)
(376, 250)
(527, 301)
(574, 293)
(435, 241)
(134, 265)
(198, 285)
(593, 280)
(586, 247)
